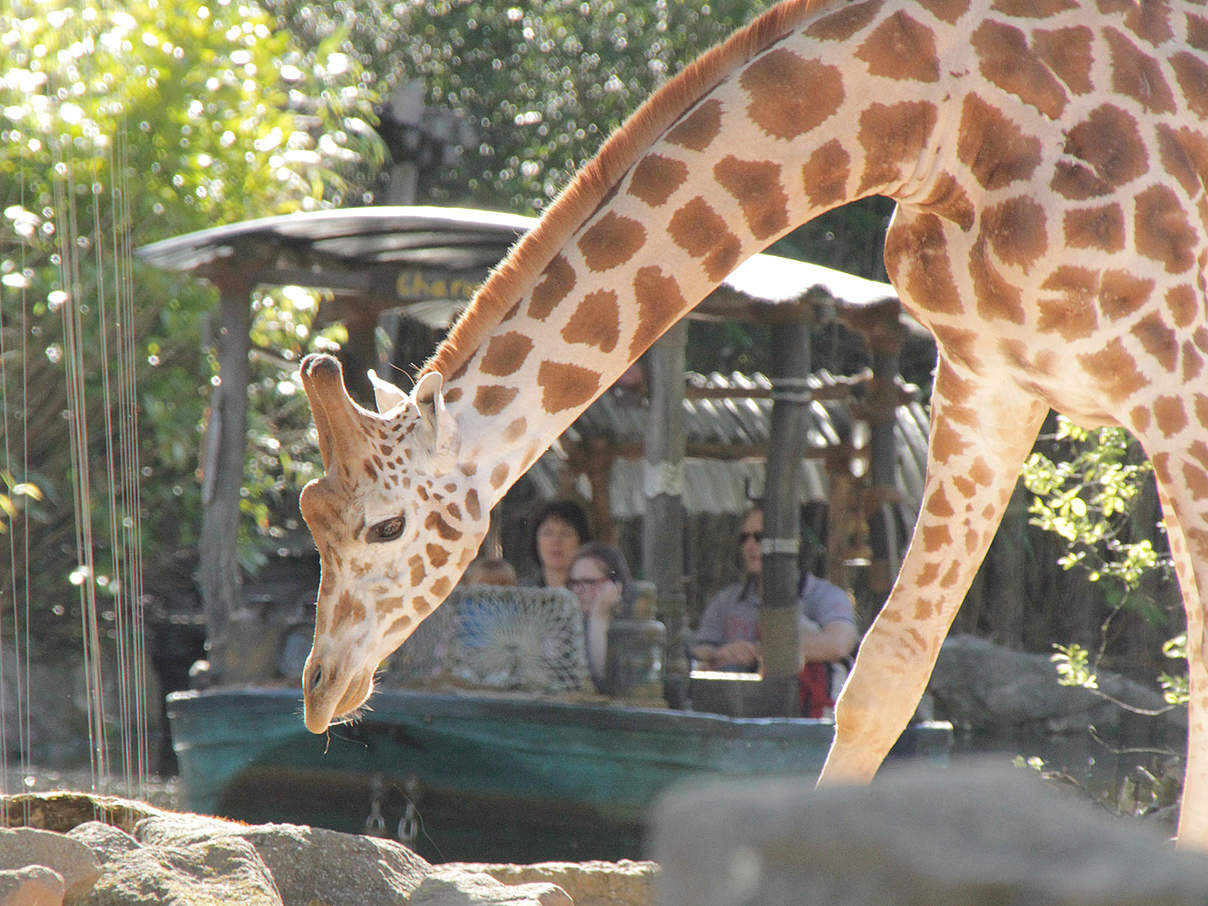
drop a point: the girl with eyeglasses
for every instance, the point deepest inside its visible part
(600, 578)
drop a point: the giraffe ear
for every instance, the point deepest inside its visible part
(385, 393)
(442, 427)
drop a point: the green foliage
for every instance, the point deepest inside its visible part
(542, 83)
(1087, 498)
(120, 125)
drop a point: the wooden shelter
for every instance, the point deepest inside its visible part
(426, 262)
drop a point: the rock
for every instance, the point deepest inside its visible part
(968, 834)
(308, 864)
(458, 886)
(217, 872)
(62, 810)
(33, 885)
(978, 684)
(624, 883)
(73, 862)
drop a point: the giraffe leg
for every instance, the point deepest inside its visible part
(1182, 476)
(981, 431)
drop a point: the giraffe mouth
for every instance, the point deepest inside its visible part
(321, 707)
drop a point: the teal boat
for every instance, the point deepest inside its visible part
(481, 776)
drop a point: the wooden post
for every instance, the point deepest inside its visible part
(779, 626)
(885, 344)
(224, 454)
(663, 527)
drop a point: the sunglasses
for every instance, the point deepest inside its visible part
(744, 537)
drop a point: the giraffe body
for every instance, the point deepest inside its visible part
(1049, 159)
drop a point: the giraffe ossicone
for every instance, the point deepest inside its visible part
(1049, 159)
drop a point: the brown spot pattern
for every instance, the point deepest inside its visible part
(387, 605)
(948, 199)
(597, 321)
(918, 257)
(997, 297)
(1158, 340)
(1138, 75)
(993, 147)
(1113, 371)
(656, 177)
(1192, 75)
(1162, 231)
(436, 523)
(1121, 294)
(1175, 159)
(347, 609)
(825, 174)
(1031, 9)
(399, 625)
(494, 398)
(564, 386)
(1007, 61)
(938, 505)
(946, 10)
(1150, 22)
(660, 304)
(1197, 32)
(702, 233)
(946, 442)
(556, 283)
(499, 475)
(515, 430)
(697, 130)
(757, 187)
(892, 135)
(437, 555)
(901, 48)
(1071, 311)
(1182, 305)
(841, 25)
(506, 353)
(473, 507)
(936, 537)
(610, 241)
(441, 587)
(1109, 151)
(1067, 51)
(788, 95)
(1015, 230)
(1098, 228)
(1169, 415)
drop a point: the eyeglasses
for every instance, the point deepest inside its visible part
(583, 584)
(744, 537)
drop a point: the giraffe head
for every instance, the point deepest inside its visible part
(395, 520)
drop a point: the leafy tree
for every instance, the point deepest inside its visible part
(119, 126)
(1087, 493)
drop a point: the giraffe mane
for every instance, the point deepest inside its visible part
(595, 181)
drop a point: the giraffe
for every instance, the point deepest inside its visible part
(1049, 160)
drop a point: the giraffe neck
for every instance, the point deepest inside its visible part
(785, 132)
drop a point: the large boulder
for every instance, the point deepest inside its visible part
(149, 855)
(211, 872)
(34, 885)
(969, 834)
(308, 864)
(75, 864)
(595, 883)
(981, 685)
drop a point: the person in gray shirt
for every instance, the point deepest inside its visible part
(728, 638)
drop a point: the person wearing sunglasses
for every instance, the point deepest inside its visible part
(728, 637)
(599, 577)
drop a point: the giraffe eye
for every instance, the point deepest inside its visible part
(387, 530)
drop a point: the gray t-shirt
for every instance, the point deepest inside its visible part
(733, 613)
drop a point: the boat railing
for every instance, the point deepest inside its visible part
(497, 637)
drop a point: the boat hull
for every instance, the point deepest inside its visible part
(480, 777)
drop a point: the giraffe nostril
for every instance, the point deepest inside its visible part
(316, 677)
